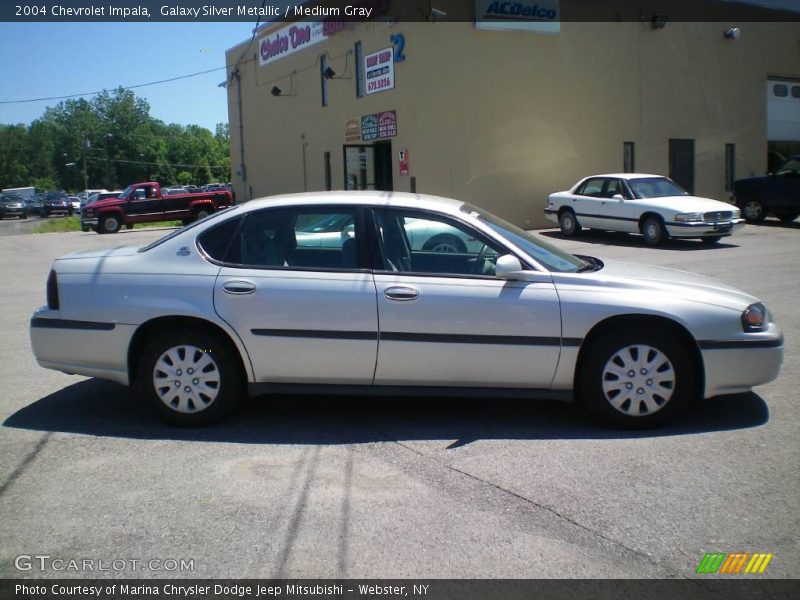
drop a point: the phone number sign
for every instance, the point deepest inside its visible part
(379, 71)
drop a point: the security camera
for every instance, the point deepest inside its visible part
(436, 14)
(733, 33)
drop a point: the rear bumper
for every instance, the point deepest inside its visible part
(85, 348)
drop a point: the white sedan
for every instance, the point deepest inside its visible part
(235, 303)
(652, 205)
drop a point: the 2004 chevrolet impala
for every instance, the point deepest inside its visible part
(248, 300)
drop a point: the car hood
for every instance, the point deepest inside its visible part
(102, 203)
(681, 204)
(104, 253)
(662, 280)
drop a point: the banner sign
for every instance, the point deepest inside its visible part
(352, 131)
(379, 71)
(539, 16)
(379, 125)
(288, 40)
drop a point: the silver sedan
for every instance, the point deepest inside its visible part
(253, 300)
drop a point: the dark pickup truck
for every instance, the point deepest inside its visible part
(143, 203)
(777, 193)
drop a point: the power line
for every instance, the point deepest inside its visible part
(155, 164)
(129, 87)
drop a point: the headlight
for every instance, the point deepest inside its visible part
(686, 217)
(737, 214)
(88, 212)
(755, 318)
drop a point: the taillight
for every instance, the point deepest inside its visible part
(52, 290)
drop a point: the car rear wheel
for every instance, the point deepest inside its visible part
(444, 242)
(568, 223)
(753, 210)
(201, 214)
(110, 224)
(190, 378)
(654, 231)
(636, 380)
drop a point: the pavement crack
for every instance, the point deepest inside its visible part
(15, 474)
(546, 508)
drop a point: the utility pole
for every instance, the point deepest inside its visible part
(108, 137)
(84, 146)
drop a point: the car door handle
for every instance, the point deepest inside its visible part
(401, 293)
(239, 287)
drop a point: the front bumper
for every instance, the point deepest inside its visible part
(736, 366)
(704, 229)
(89, 222)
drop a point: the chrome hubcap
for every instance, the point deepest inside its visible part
(444, 247)
(638, 380)
(752, 209)
(567, 223)
(111, 223)
(186, 379)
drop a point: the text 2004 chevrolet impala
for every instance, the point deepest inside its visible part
(233, 303)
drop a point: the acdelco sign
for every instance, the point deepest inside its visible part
(541, 16)
(289, 40)
(517, 9)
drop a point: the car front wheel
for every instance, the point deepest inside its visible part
(636, 380)
(753, 210)
(110, 224)
(654, 231)
(568, 223)
(190, 378)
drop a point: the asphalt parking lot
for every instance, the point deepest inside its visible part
(401, 487)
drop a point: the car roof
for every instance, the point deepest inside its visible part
(368, 198)
(624, 175)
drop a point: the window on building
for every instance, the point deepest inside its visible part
(780, 90)
(628, 159)
(359, 58)
(328, 182)
(730, 166)
(323, 81)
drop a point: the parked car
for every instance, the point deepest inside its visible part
(232, 303)
(55, 203)
(76, 204)
(13, 205)
(777, 193)
(652, 205)
(146, 203)
(34, 204)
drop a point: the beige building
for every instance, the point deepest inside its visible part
(502, 118)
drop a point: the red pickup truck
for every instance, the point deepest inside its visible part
(144, 203)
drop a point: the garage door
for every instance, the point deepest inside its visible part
(783, 110)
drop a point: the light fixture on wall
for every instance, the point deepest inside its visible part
(329, 73)
(279, 93)
(276, 91)
(659, 21)
(732, 33)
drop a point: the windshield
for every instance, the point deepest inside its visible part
(180, 230)
(655, 187)
(549, 256)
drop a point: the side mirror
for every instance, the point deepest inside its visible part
(507, 267)
(617, 197)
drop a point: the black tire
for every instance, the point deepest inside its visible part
(444, 242)
(787, 216)
(43, 214)
(753, 210)
(23, 216)
(568, 223)
(607, 353)
(129, 226)
(109, 224)
(710, 240)
(205, 403)
(84, 228)
(201, 213)
(654, 231)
